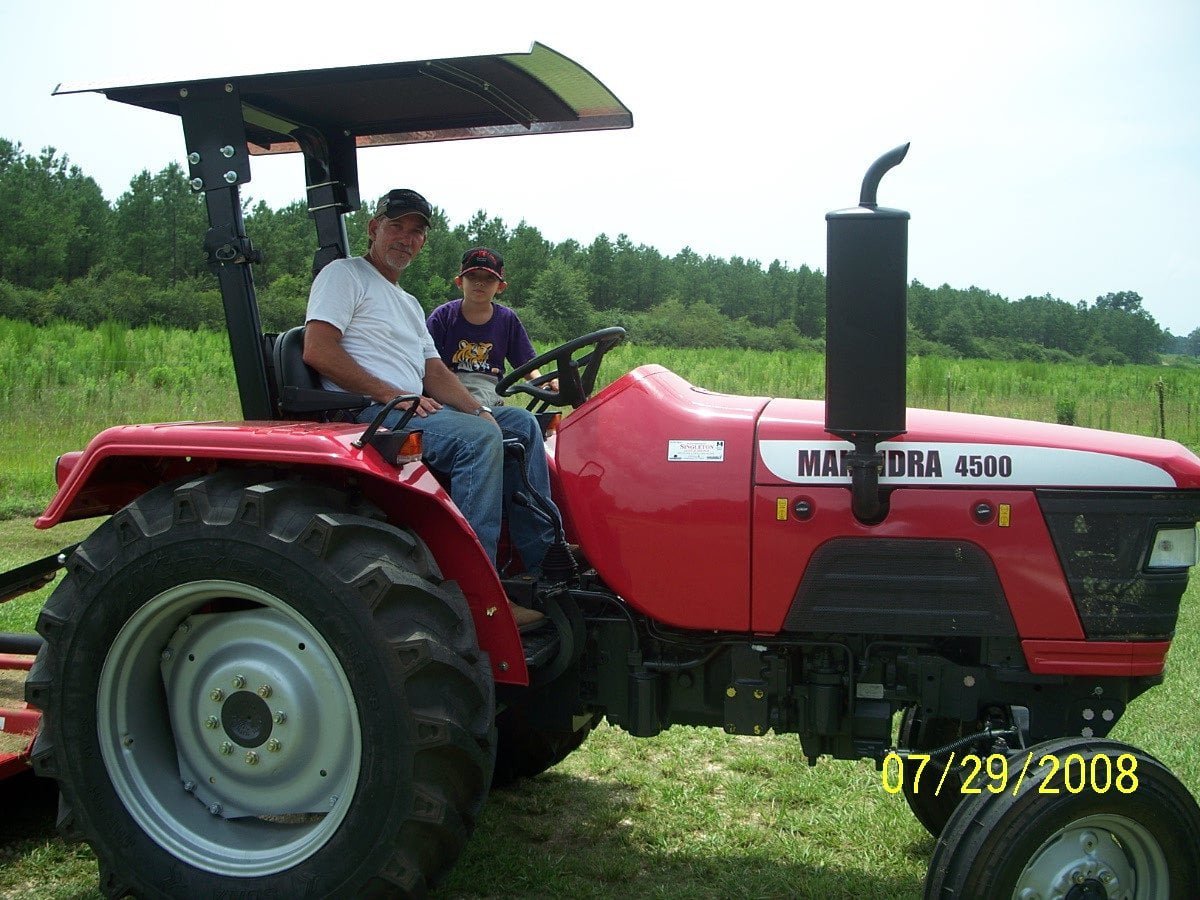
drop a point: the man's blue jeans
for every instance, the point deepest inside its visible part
(483, 478)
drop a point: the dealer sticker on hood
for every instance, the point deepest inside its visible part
(912, 462)
(695, 451)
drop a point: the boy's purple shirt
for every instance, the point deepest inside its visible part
(479, 348)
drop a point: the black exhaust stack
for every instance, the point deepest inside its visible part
(866, 322)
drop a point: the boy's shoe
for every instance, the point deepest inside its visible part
(526, 618)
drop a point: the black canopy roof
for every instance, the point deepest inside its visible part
(401, 103)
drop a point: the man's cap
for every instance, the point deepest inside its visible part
(483, 258)
(403, 202)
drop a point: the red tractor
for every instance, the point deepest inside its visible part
(284, 666)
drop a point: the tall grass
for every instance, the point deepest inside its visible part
(62, 383)
(1115, 398)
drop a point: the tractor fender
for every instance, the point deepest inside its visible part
(123, 462)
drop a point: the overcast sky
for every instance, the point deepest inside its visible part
(1055, 145)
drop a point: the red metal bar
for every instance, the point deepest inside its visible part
(19, 721)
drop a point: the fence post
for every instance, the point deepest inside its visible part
(1160, 387)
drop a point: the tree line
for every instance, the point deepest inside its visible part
(67, 253)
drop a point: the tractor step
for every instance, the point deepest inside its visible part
(541, 645)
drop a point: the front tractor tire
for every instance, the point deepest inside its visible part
(932, 808)
(524, 750)
(252, 688)
(1090, 819)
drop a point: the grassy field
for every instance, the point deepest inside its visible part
(66, 383)
(690, 813)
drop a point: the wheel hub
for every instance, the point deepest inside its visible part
(246, 718)
(280, 744)
(1091, 889)
(1094, 858)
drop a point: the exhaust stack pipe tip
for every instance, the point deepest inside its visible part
(879, 168)
(866, 285)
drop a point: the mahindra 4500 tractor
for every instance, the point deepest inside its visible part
(282, 664)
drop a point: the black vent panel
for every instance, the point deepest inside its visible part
(897, 586)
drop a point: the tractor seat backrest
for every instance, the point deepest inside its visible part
(298, 385)
(290, 367)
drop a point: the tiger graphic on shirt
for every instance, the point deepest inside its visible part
(472, 356)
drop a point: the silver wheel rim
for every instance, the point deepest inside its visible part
(232, 738)
(1105, 851)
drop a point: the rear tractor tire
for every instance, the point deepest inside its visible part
(254, 689)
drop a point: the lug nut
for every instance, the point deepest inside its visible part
(226, 748)
(274, 746)
(196, 183)
(227, 151)
(280, 717)
(189, 786)
(217, 695)
(252, 758)
(194, 158)
(211, 722)
(215, 809)
(239, 682)
(264, 691)
(167, 654)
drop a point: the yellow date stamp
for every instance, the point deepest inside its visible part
(997, 773)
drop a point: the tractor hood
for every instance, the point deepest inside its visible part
(959, 449)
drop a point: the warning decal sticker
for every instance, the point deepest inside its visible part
(695, 451)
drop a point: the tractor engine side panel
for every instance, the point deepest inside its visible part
(1017, 543)
(654, 477)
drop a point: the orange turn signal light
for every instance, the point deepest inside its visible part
(410, 450)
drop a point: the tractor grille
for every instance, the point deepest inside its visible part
(898, 586)
(1102, 539)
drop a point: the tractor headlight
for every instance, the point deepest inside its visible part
(1174, 547)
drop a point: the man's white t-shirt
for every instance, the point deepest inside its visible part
(383, 326)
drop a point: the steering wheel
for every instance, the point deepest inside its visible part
(576, 375)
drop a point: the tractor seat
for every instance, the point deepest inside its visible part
(298, 386)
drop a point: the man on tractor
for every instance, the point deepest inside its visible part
(366, 334)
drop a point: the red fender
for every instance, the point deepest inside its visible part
(121, 463)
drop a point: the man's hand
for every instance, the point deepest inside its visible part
(551, 385)
(425, 406)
